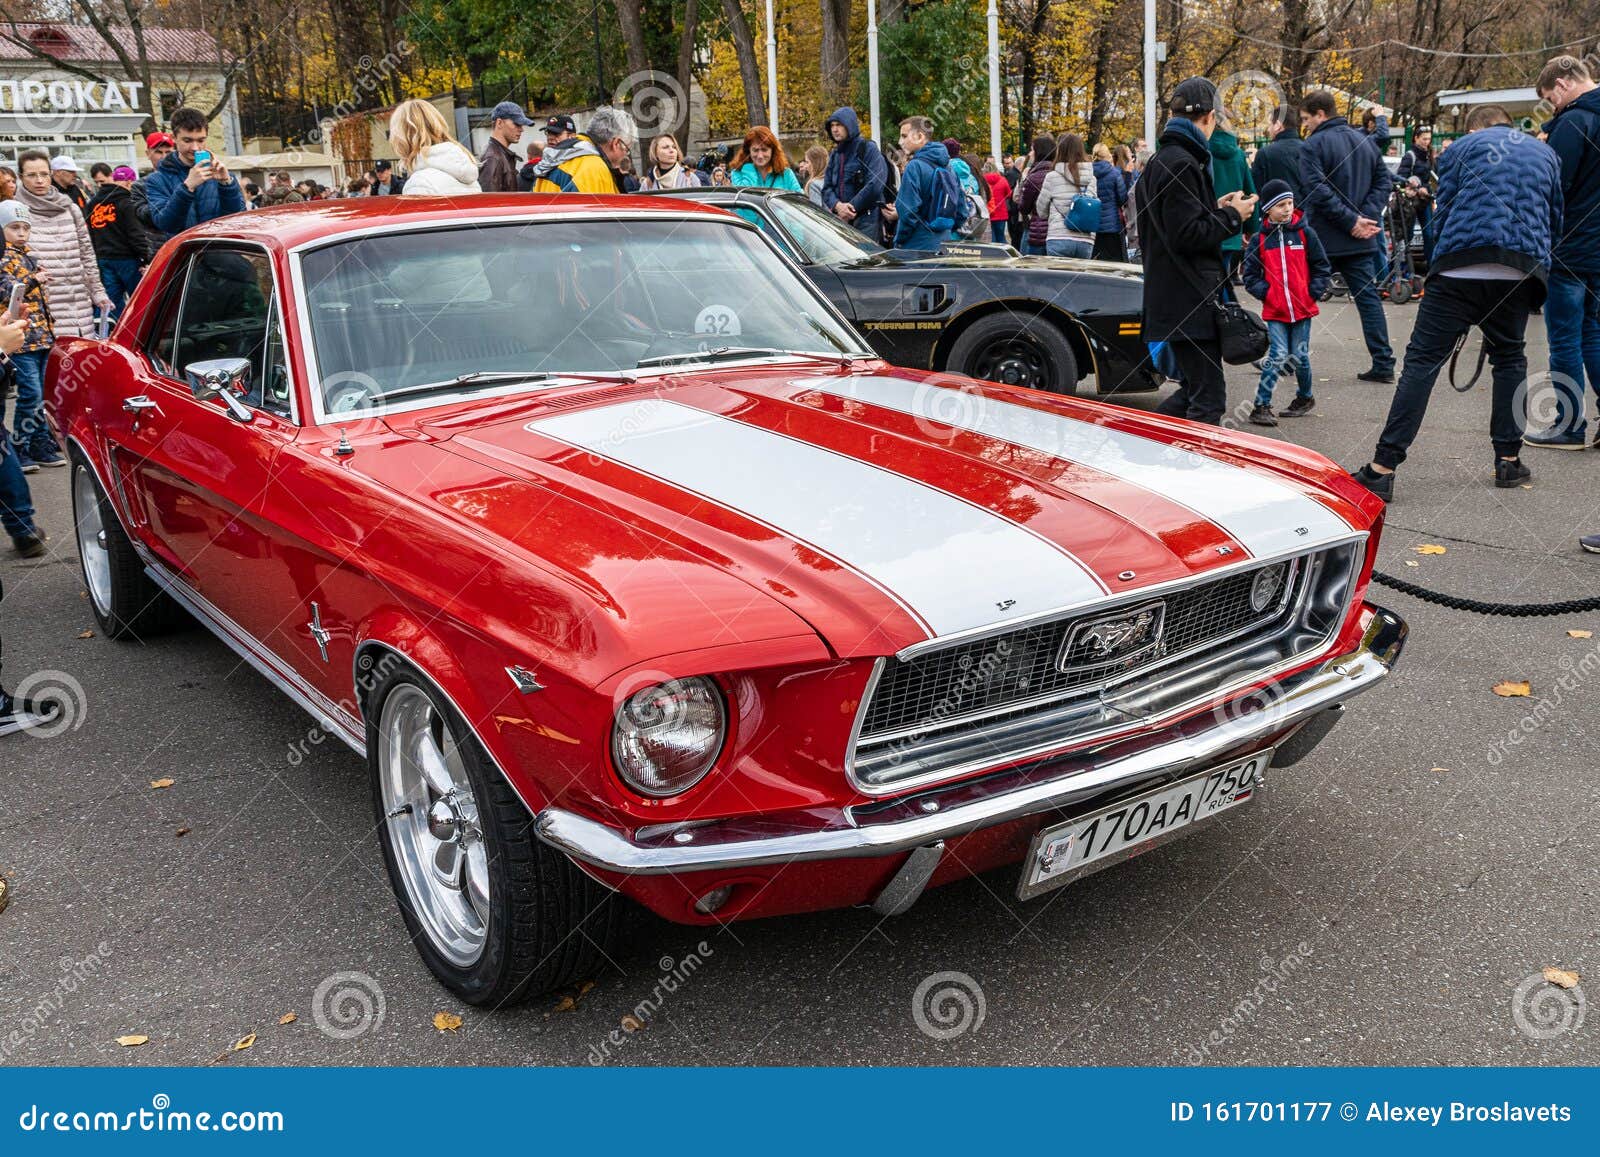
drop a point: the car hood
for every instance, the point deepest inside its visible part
(884, 508)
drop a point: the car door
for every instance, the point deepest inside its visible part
(197, 473)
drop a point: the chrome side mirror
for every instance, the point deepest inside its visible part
(223, 380)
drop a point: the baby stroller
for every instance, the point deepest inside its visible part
(1401, 282)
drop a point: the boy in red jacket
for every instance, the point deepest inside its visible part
(1286, 267)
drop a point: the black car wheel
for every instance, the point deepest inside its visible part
(1017, 351)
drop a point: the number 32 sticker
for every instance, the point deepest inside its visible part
(717, 319)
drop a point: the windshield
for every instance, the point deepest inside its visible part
(395, 311)
(822, 237)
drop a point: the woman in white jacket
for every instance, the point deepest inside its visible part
(1072, 174)
(439, 167)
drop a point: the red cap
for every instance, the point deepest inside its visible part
(155, 139)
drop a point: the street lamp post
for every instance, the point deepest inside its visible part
(1150, 71)
(872, 67)
(772, 71)
(994, 80)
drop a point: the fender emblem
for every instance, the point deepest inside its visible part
(523, 680)
(317, 633)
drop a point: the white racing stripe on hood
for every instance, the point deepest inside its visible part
(951, 564)
(1267, 516)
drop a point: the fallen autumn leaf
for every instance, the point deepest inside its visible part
(244, 1042)
(1580, 634)
(132, 1040)
(159, 783)
(1429, 548)
(288, 1018)
(1562, 978)
(446, 1021)
(85, 634)
(1509, 689)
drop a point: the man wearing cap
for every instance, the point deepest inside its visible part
(156, 148)
(587, 162)
(384, 180)
(558, 129)
(1182, 224)
(64, 172)
(121, 243)
(497, 168)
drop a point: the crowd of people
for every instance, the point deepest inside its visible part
(1508, 219)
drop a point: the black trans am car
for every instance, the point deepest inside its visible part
(975, 309)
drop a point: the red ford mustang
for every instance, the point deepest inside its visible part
(628, 567)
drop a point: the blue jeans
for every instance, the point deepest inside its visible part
(1360, 271)
(120, 276)
(16, 503)
(1572, 320)
(997, 231)
(1068, 247)
(1287, 341)
(30, 395)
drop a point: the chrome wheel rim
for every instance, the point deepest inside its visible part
(432, 814)
(92, 547)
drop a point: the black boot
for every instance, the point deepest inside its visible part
(23, 714)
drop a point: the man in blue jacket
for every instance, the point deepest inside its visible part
(852, 188)
(1345, 186)
(1497, 218)
(929, 205)
(1572, 311)
(182, 193)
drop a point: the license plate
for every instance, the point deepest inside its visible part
(1079, 847)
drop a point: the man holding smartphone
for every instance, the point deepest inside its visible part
(1182, 224)
(191, 186)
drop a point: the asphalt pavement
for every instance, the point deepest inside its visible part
(1393, 899)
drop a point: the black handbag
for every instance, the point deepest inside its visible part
(1241, 333)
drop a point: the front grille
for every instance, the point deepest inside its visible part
(966, 701)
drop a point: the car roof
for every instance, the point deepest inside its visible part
(290, 226)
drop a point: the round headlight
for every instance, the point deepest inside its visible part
(666, 737)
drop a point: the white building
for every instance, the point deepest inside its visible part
(44, 106)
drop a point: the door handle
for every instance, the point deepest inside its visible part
(139, 403)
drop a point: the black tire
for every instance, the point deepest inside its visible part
(134, 607)
(550, 925)
(1400, 291)
(1016, 350)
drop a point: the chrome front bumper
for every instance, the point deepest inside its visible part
(1309, 702)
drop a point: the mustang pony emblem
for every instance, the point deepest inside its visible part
(1124, 637)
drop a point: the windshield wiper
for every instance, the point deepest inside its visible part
(728, 352)
(493, 377)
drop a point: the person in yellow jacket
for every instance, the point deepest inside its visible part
(587, 163)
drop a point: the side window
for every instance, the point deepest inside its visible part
(162, 340)
(230, 311)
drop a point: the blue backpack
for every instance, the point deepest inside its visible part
(945, 200)
(1084, 216)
